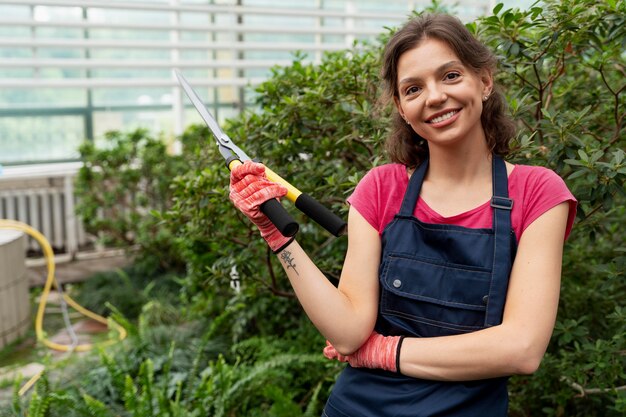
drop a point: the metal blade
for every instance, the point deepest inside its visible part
(222, 138)
(199, 105)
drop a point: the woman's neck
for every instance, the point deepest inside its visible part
(459, 167)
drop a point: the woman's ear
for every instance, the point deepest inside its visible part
(396, 101)
(486, 77)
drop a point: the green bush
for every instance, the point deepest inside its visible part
(120, 185)
(562, 65)
(190, 369)
(319, 126)
(127, 291)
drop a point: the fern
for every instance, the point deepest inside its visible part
(120, 319)
(259, 375)
(40, 401)
(116, 374)
(312, 406)
(146, 376)
(95, 408)
(204, 342)
(17, 399)
(130, 394)
(41, 404)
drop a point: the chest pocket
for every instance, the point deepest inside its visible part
(429, 297)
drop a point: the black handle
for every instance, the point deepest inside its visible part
(280, 217)
(320, 214)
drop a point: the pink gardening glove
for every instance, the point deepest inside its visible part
(249, 188)
(378, 352)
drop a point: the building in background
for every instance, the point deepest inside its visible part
(71, 70)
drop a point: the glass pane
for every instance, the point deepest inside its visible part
(122, 96)
(156, 121)
(41, 98)
(44, 138)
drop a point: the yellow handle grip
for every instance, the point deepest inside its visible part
(292, 192)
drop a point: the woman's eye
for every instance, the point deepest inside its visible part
(412, 90)
(452, 76)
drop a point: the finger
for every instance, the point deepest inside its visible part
(330, 352)
(247, 168)
(253, 197)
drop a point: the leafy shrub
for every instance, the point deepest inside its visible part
(127, 290)
(120, 184)
(562, 64)
(190, 370)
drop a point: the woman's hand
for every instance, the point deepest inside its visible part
(249, 188)
(378, 352)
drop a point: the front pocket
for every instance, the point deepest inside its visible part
(433, 297)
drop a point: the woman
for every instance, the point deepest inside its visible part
(452, 274)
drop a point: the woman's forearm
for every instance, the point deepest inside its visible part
(489, 353)
(519, 343)
(332, 312)
(345, 315)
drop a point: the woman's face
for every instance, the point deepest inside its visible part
(439, 96)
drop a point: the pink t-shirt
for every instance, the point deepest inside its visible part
(533, 189)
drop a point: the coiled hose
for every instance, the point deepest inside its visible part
(50, 282)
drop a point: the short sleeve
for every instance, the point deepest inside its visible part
(544, 189)
(378, 196)
(365, 197)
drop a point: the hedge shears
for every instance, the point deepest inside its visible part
(234, 156)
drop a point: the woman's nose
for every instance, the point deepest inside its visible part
(436, 95)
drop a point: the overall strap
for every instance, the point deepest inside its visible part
(502, 256)
(413, 190)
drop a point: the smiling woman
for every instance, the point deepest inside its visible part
(441, 99)
(451, 278)
(471, 59)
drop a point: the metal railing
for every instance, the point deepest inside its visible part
(354, 25)
(42, 196)
(94, 45)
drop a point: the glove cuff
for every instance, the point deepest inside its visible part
(398, 354)
(283, 246)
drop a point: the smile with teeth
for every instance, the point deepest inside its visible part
(443, 117)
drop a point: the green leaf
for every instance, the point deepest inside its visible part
(515, 48)
(596, 155)
(546, 113)
(497, 8)
(577, 174)
(574, 162)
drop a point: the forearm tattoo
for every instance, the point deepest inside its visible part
(288, 260)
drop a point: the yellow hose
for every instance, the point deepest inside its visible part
(50, 281)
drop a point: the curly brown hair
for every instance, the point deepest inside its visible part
(403, 144)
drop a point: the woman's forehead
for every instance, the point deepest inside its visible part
(427, 56)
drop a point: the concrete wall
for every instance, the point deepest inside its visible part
(14, 298)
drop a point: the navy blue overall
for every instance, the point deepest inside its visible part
(435, 280)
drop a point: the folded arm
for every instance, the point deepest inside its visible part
(514, 347)
(345, 315)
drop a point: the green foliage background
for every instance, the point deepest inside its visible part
(253, 352)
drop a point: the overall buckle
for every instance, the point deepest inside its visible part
(501, 203)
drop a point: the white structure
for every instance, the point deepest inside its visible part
(42, 196)
(14, 298)
(74, 69)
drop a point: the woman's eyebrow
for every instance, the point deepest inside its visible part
(448, 65)
(439, 69)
